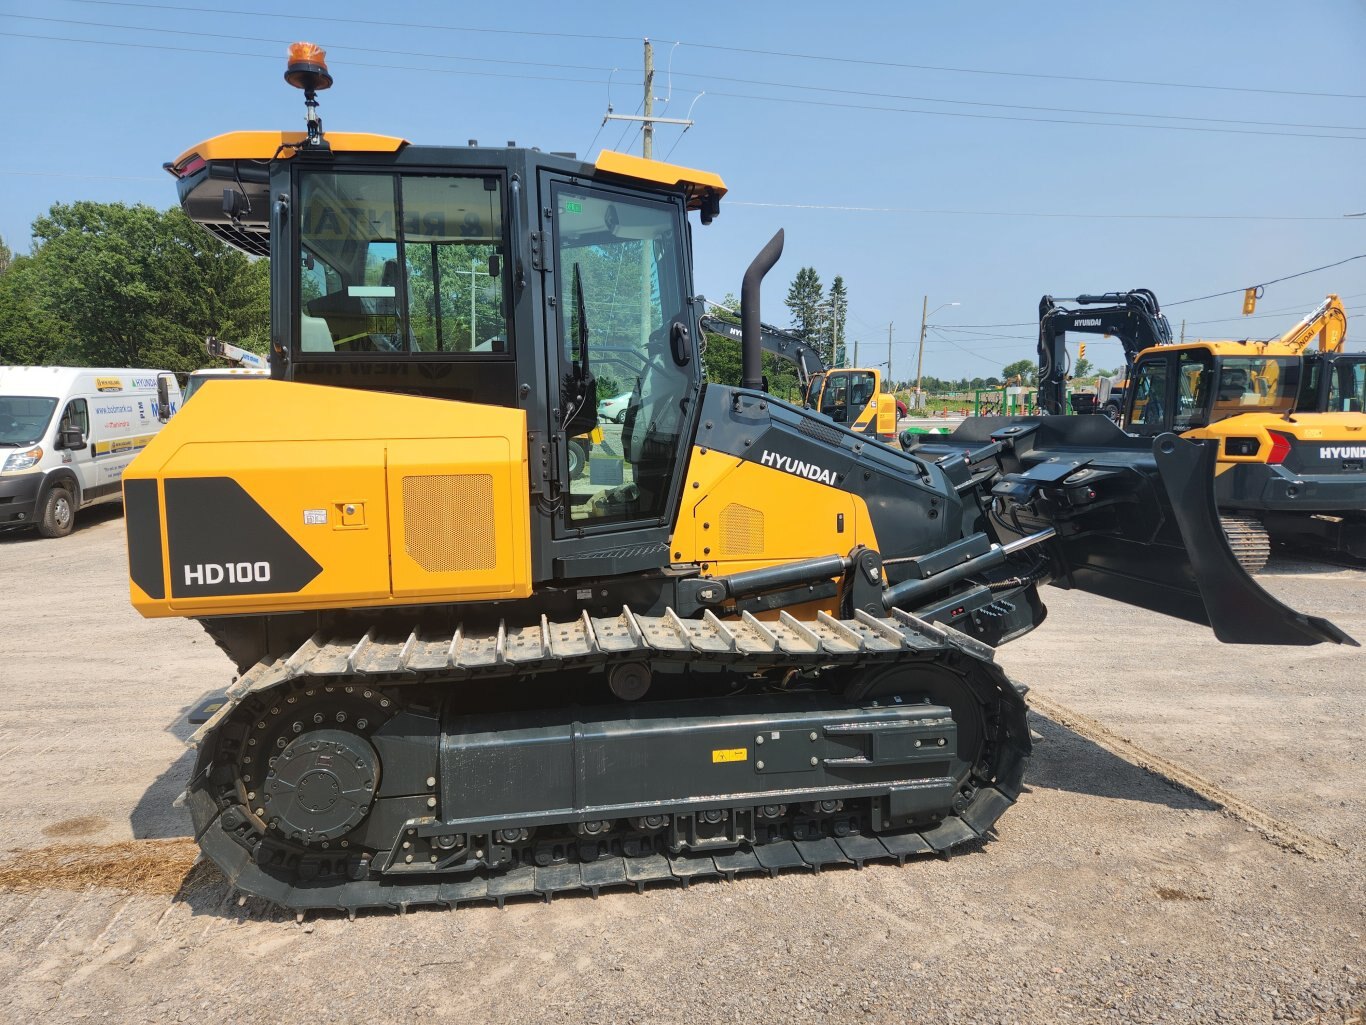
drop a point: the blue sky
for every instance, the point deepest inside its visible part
(966, 187)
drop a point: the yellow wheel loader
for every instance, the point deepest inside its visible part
(744, 640)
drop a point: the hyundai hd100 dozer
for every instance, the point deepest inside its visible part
(745, 639)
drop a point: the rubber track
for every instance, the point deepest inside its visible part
(745, 644)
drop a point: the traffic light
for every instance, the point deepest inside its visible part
(1249, 301)
(1081, 353)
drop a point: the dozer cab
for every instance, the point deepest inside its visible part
(1291, 440)
(747, 639)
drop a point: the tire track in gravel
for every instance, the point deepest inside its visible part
(1283, 834)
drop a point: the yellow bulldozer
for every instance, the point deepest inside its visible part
(470, 674)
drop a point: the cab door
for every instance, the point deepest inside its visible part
(80, 455)
(620, 324)
(1150, 399)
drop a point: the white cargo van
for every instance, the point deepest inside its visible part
(66, 434)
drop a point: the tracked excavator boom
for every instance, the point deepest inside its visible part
(744, 639)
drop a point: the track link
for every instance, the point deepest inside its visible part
(1248, 538)
(379, 666)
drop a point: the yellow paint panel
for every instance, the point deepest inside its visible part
(459, 527)
(265, 145)
(694, 181)
(744, 515)
(288, 479)
(327, 465)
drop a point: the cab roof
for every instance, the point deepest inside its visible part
(229, 157)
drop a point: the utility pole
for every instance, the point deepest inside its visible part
(647, 119)
(920, 356)
(889, 355)
(1183, 330)
(647, 134)
(856, 362)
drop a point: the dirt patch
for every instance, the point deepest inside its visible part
(140, 866)
(1172, 893)
(83, 826)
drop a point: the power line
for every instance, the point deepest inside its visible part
(1016, 106)
(91, 177)
(1031, 120)
(1012, 74)
(729, 95)
(271, 57)
(728, 49)
(359, 21)
(329, 46)
(713, 78)
(1273, 281)
(1044, 214)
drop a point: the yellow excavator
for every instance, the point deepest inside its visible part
(1286, 469)
(469, 674)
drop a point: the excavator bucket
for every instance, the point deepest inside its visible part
(1135, 519)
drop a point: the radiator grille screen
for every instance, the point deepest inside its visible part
(448, 521)
(742, 530)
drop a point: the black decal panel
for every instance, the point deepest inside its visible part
(142, 520)
(222, 542)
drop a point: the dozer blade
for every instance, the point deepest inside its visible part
(1240, 610)
(1135, 518)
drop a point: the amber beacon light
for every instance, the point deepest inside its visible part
(307, 70)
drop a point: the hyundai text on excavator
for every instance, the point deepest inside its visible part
(1291, 463)
(467, 675)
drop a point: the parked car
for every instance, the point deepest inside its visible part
(614, 409)
(66, 434)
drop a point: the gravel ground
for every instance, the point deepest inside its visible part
(1111, 895)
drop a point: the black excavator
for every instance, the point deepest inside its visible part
(745, 639)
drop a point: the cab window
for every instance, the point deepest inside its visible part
(1267, 384)
(862, 388)
(813, 391)
(835, 398)
(1347, 389)
(623, 394)
(76, 417)
(1194, 371)
(1150, 397)
(410, 264)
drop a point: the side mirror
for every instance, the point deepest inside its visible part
(163, 399)
(681, 340)
(71, 438)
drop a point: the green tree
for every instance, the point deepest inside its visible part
(133, 286)
(1025, 369)
(838, 308)
(805, 298)
(6, 257)
(1082, 368)
(28, 334)
(723, 364)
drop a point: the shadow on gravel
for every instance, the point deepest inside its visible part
(1064, 760)
(1288, 562)
(155, 817)
(85, 519)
